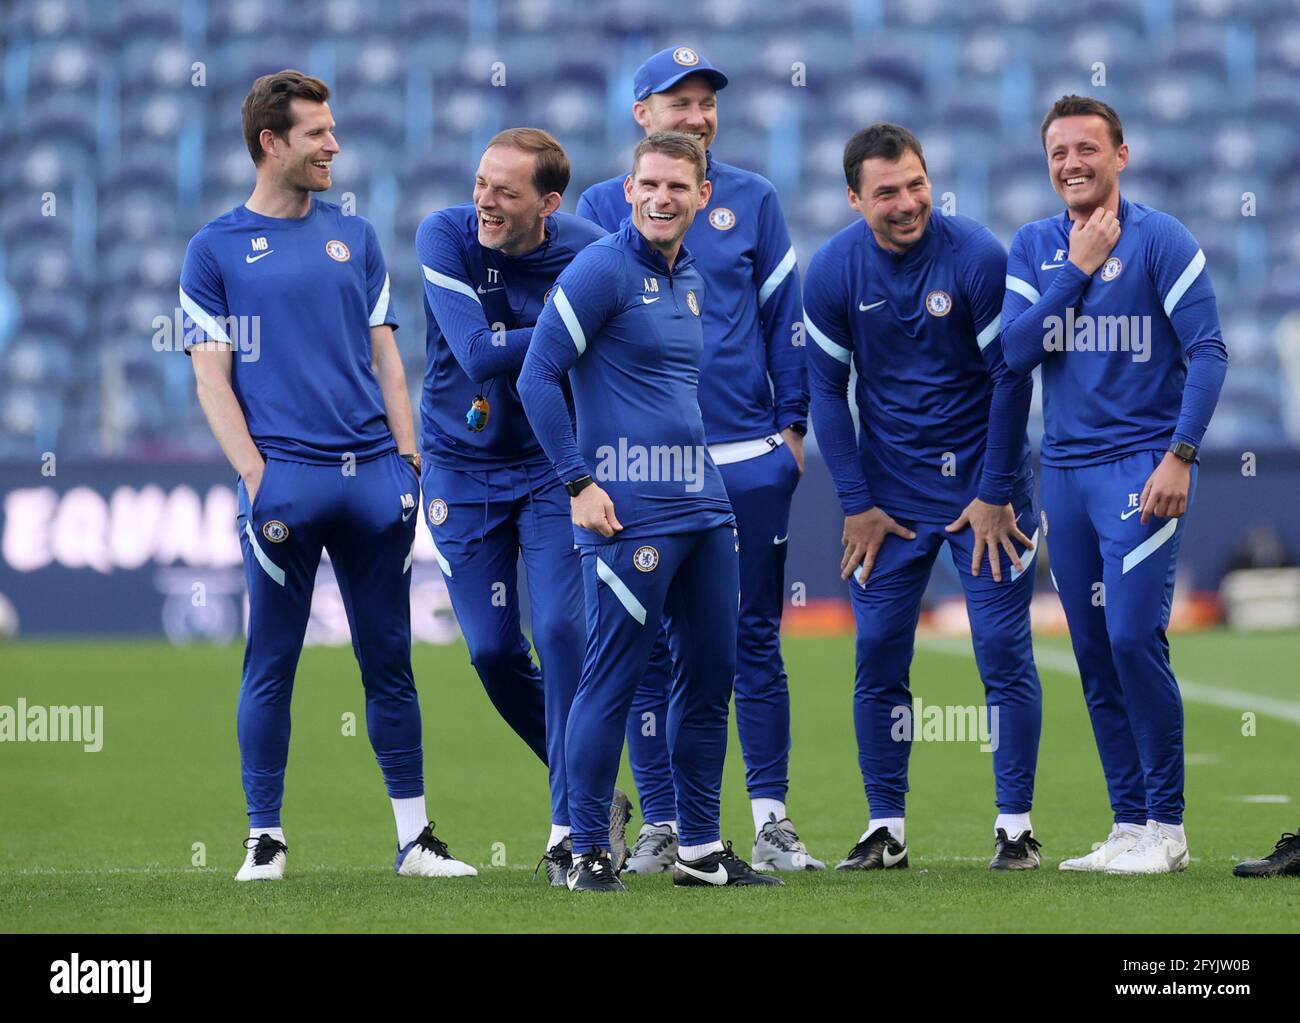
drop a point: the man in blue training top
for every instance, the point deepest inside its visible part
(754, 401)
(314, 416)
(489, 491)
(912, 298)
(1113, 299)
(658, 539)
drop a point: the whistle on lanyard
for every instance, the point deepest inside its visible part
(477, 416)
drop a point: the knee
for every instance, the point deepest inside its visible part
(1130, 643)
(559, 636)
(494, 654)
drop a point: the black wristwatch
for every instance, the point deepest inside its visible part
(1183, 450)
(800, 428)
(413, 461)
(577, 486)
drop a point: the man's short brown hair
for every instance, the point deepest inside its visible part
(676, 144)
(883, 141)
(267, 105)
(1083, 106)
(550, 164)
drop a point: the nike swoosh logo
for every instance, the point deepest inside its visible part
(889, 860)
(487, 291)
(647, 301)
(780, 539)
(864, 308)
(1052, 266)
(260, 255)
(1129, 514)
(407, 514)
(718, 876)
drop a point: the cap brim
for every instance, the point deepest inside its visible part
(716, 78)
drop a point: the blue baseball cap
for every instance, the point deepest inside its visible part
(668, 67)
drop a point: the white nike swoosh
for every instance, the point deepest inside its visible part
(1130, 513)
(863, 307)
(1052, 266)
(407, 514)
(488, 291)
(889, 860)
(647, 301)
(260, 255)
(780, 539)
(718, 877)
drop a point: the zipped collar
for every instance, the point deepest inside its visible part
(648, 256)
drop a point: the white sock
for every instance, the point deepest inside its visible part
(1014, 824)
(1174, 831)
(762, 808)
(276, 833)
(894, 824)
(411, 819)
(660, 824)
(559, 832)
(694, 852)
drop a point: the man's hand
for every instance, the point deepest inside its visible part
(994, 526)
(1165, 493)
(863, 535)
(252, 477)
(1091, 242)
(592, 509)
(794, 442)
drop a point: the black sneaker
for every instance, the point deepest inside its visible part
(558, 860)
(719, 869)
(1022, 854)
(593, 871)
(620, 812)
(878, 851)
(1283, 861)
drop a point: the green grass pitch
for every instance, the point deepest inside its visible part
(106, 841)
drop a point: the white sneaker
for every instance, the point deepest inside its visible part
(428, 856)
(1121, 839)
(1159, 852)
(265, 860)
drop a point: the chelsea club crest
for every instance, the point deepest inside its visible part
(646, 559)
(938, 303)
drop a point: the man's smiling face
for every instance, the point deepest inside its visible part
(1083, 160)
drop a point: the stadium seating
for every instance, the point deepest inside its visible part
(127, 114)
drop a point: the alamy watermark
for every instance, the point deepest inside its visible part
(242, 333)
(946, 723)
(659, 463)
(1088, 333)
(34, 723)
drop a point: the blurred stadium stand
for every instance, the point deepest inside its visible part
(104, 118)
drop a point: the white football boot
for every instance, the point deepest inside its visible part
(1121, 839)
(1159, 852)
(265, 859)
(778, 847)
(428, 856)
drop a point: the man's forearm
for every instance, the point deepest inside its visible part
(226, 418)
(397, 404)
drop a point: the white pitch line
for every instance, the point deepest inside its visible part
(1197, 692)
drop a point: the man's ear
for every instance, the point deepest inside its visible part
(641, 114)
(268, 140)
(852, 196)
(706, 192)
(627, 189)
(550, 203)
(1123, 155)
